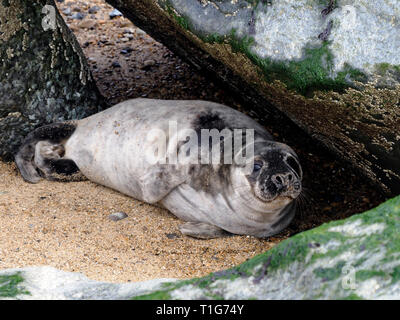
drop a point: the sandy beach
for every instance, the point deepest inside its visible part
(67, 226)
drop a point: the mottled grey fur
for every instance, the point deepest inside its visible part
(109, 148)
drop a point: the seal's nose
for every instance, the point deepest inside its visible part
(283, 180)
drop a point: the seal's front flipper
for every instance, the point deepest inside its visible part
(202, 230)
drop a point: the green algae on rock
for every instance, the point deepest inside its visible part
(10, 285)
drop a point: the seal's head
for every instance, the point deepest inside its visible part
(276, 173)
(274, 177)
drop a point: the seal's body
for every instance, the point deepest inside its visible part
(112, 148)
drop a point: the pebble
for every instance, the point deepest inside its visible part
(117, 216)
(140, 32)
(115, 64)
(115, 13)
(129, 30)
(94, 9)
(172, 235)
(125, 23)
(87, 24)
(67, 11)
(148, 63)
(128, 35)
(126, 50)
(78, 16)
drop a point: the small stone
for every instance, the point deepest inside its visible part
(124, 39)
(172, 235)
(124, 23)
(94, 9)
(67, 11)
(140, 32)
(115, 13)
(117, 216)
(116, 64)
(126, 50)
(129, 49)
(87, 24)
(78, 16)
(128, 35)
(148, 64)
(76, 9)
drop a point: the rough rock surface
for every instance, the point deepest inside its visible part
(330, 66)
(47, 283)
(356, 258)
(44, 76)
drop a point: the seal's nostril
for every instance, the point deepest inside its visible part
(279, 179)
(296, 186)
(290, 177)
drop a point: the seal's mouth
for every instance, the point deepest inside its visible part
(266, 194)
(283, 198)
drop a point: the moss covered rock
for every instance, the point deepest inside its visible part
(332, 67)
(356, 258)
(44, 76)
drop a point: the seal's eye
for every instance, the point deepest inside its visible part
(257, 166)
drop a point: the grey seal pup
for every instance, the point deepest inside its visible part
(112, 148)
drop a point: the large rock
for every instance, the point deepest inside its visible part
(39, 283)
(44, 76)
(356, 258)
(333, 67)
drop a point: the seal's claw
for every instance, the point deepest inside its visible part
(202, 230)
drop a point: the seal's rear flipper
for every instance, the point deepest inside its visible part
(202, 230)
(42, 150)
(24, 162)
